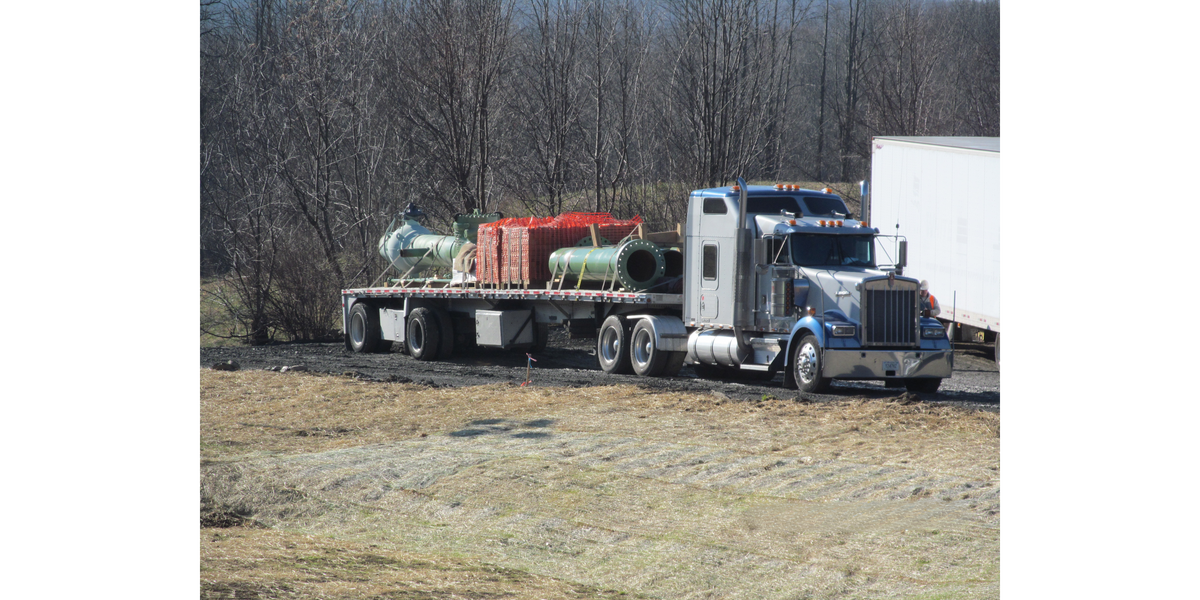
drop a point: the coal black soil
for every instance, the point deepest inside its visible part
(572, 363)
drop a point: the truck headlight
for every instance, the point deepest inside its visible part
(933, 332)
(844, 330)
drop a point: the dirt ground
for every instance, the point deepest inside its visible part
(583, 485)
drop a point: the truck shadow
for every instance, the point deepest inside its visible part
(506, 427)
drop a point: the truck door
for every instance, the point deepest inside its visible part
(718, 224)
(710, 256)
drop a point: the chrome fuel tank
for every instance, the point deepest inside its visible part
(715, 347)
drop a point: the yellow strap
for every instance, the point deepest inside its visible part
(584, 269)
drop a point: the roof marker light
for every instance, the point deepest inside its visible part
(737, 188)
(779, 186)
(828, 190)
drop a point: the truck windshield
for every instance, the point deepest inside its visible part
(818, 250)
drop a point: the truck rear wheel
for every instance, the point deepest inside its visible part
(612, 346)
(423, 334)
(362, 334)
(647, 360)
(806, 366)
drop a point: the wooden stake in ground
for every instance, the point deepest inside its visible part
(528, 367)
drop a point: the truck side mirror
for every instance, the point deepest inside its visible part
(902, 260)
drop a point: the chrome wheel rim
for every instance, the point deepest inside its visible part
(416, 337)
(641, 347)
(610, 345)
(358, 329)
(806, 363)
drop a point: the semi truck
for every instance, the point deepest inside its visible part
(943, 195)
(761, 279)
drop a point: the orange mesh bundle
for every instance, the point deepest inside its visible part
(516, 251)
(522, 250)
(487, 254)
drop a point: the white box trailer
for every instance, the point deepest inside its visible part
(942, 194)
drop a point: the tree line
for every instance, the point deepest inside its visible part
(321, 119)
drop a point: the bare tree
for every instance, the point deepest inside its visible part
(240, 192)
(319, 118)
(547, 104)
(449, 56)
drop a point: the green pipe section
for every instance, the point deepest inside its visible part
(412, 248)
(636, 264)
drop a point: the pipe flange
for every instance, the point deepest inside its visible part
(625, 253)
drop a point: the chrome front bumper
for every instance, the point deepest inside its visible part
(887, 364)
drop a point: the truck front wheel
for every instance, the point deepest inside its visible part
(612, 346)
(806, 366)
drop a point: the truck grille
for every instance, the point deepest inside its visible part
(890, 316)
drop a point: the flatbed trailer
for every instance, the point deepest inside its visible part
(503, 318)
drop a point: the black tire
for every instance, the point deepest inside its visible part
(423, 335)
(997, 351)
(647, 360)
(362, 333)
(612, 344)
(806, 366)
(924, 385)
(445, 345)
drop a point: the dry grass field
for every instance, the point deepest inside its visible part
(330, 487)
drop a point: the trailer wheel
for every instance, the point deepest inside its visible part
(647, 360)
(362, 334)
(924, 385)
(806, 366)
(612, 344)
(445, 346)
(423, 335)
